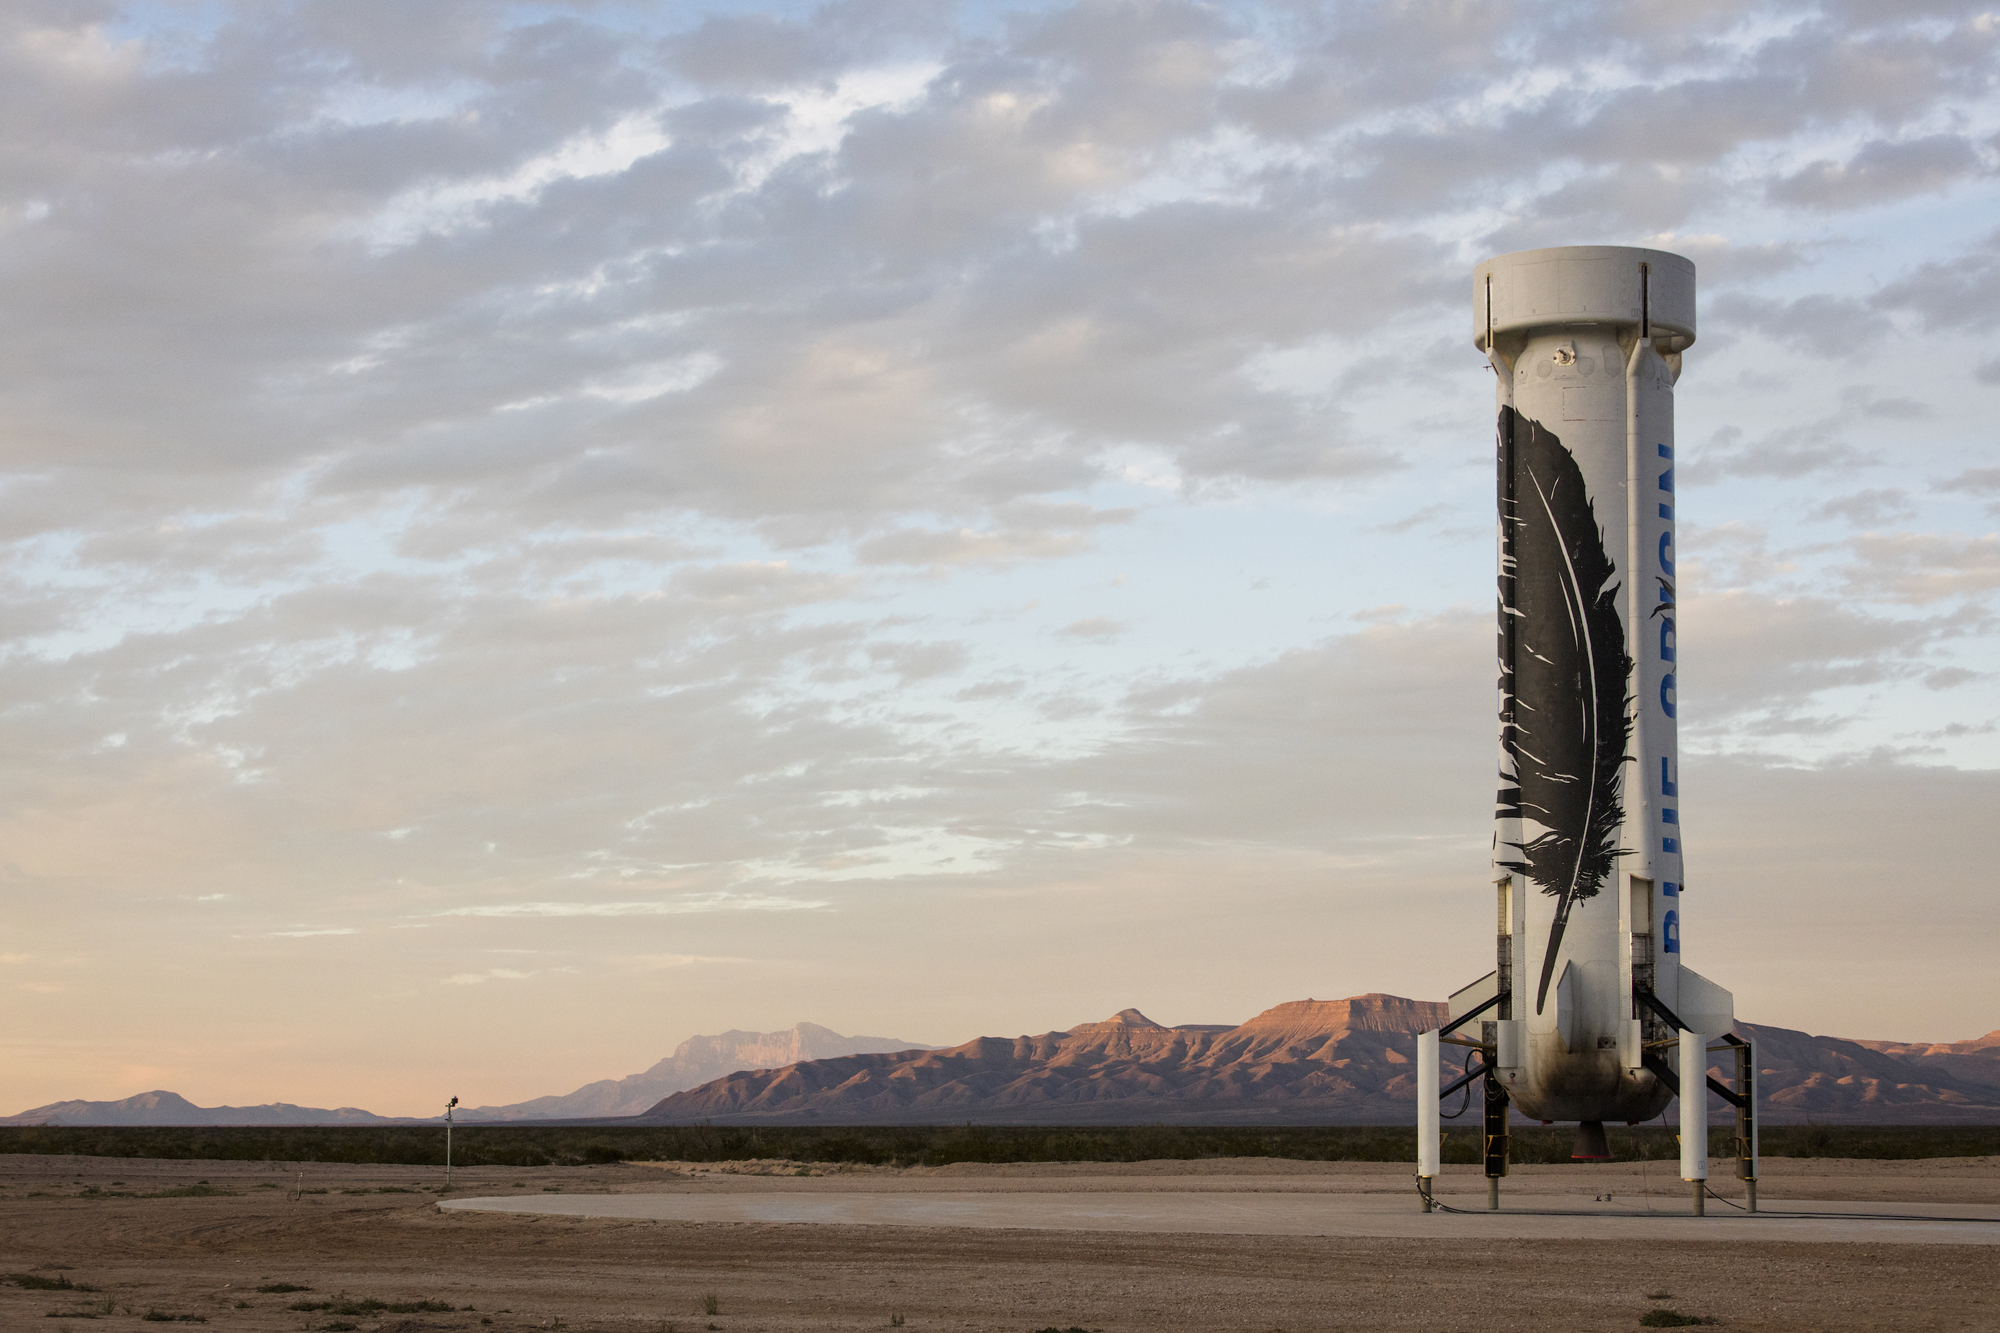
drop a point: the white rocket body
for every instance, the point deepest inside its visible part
(1586, 344)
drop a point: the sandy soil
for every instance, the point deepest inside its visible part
(205, 1256)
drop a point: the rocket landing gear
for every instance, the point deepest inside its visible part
(1496, 1137)
(1692, 1084)
(1430, 1117)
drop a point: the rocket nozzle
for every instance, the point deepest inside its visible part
(1591, 1145)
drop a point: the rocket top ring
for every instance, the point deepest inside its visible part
(1585, 284)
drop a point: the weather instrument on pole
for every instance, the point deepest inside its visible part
(1589, 1007)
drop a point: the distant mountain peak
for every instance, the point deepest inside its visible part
(1127, 1019)
(158, 1097)
(696, 1061)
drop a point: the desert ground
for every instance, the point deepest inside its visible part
(170, 1241)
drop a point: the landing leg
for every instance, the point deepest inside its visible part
(1746, 1117)
(1694, 1115)
(1430, 1126)
(1497, 1143)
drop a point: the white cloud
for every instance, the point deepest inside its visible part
(1092, 629)
(499, 974)
(711, 902)
(1924, 567)
(434, 209)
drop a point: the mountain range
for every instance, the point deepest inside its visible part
(1975, 1061)
(170, 1108)
(1340, 1061)
(694, 1062)
(1305, 1062)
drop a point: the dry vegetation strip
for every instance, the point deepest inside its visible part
(939, 1145)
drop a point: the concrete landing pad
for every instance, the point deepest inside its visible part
(1523, 1217)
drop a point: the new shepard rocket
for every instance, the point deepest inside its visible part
(1590, 1013)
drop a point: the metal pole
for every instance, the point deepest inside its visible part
(1430, 1124)
(447, 1141)
(1746, 1120)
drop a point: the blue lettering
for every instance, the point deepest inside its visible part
(1668, 787)
(1666, 638)
(1670, 889)
(1670, 931)
(1670, 816)
(1667, 477)
(1671, 846)
(1667, 552)
(1667, 688)
(1667, 512)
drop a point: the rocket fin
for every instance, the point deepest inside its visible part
(1510, 1033)
(1465, 1000)
(1704, 1006)
(1632, 1044)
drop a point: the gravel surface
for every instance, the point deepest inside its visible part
(188, 1252)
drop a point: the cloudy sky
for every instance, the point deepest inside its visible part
(536, 530)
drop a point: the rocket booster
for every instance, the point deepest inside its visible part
(1586, 344)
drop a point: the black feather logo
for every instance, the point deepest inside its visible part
(1565, 716)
